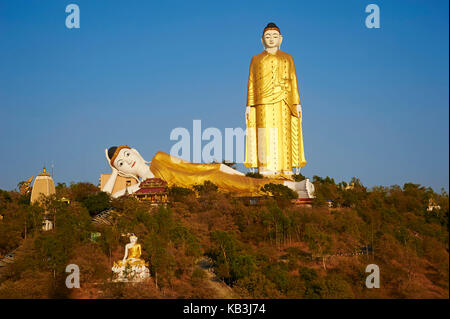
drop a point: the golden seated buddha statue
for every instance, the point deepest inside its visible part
(131, 267)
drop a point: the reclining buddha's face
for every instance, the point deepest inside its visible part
(130, 162)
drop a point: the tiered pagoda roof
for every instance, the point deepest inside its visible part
(152, 186)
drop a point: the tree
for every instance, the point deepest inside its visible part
(279, 191)
(179, 194)
(299, 177)
(319, 242)
(314, 287)
(206, 188)
(254, 175)
(231, 261)
(97, 203)
(80, 191)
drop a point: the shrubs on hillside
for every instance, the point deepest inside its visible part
(272, 250)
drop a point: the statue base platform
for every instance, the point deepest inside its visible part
(130, 274)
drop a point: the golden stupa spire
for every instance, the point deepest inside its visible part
(44, 172)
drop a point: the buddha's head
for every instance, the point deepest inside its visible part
(128, 162)
(271, 37)
(133, 239)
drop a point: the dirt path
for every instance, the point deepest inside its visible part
(222, 290)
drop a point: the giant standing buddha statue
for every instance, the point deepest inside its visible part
(273, 114)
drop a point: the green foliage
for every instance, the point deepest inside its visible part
(315, 290)
(319, 242)
(307, 274)
(254, 175)
(314, 287)
(279, 191)
(278, 223)
(337, 287)
(256, 285)
(278, 274)
(20, 219)
(206, 188)
(326, 180)
(5, 198)
(299, 177)
(179, 194)
(198, 274)
(60, 187)
(80, 191)
(263, 251)
(230, 258)
(52, 250)
(97, 203)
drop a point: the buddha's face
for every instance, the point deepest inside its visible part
(128, 162)
(272, 39)
(133, 239)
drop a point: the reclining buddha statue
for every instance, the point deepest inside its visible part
(127, 162)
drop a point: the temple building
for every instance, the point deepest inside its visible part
(43, 186)
(154, 190)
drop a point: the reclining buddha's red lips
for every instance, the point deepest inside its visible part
(133, 163)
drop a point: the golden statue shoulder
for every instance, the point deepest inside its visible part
(264, 53)
(284, 54)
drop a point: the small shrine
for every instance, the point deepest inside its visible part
(154, 190)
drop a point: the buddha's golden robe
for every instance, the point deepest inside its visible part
(134, 251)
(133, 257)
(176, 171)
(274, 130)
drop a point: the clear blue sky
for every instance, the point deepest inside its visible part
(375, 101)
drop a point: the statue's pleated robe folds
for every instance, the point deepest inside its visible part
(274, 130)
(176, 171)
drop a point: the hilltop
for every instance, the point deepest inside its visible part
(208, 244)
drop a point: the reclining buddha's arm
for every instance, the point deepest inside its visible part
(129, 189)
(110, 183)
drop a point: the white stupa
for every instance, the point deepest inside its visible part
(43, 186)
